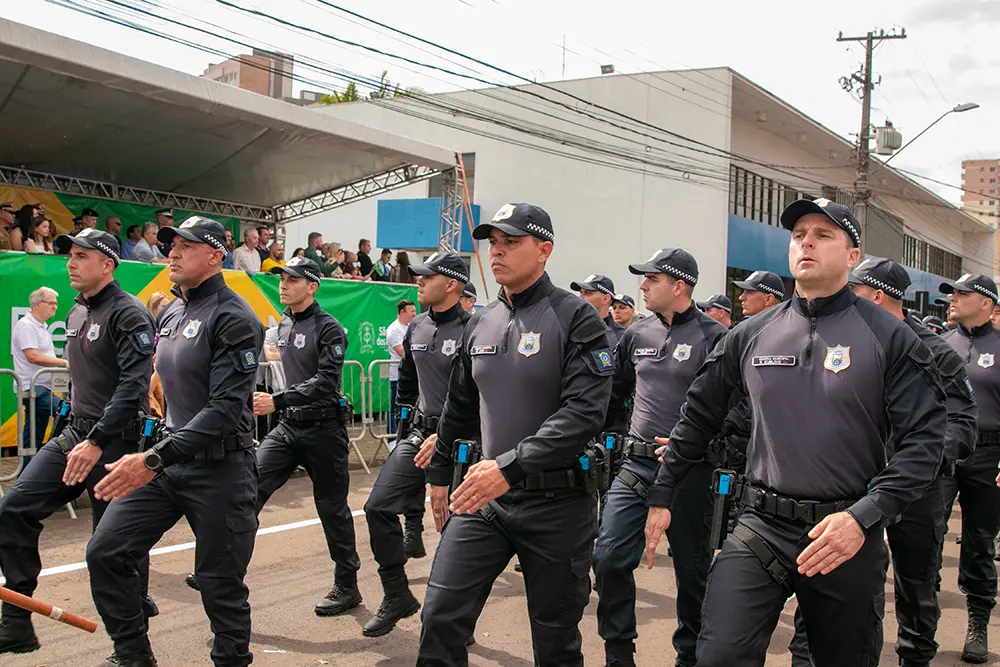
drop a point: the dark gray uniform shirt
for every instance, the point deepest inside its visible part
(656, 363)
(312, 345)
(534, 373)
(431, 345)
(979, 349)
(826, 381)
(207, 359)
(617, 329)
(109, 346)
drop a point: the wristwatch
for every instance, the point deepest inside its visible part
(153, 461)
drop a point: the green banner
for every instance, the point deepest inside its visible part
(364, 309)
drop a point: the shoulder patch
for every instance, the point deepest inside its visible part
(338, 350)
(249, 359)
(144, 339)
(605, 360)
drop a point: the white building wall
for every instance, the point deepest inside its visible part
(604, 217)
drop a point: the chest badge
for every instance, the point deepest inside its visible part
(191, 329)
(530, 344)
(95, 331)
(448, 347)
(682, 352)
(837, 358)
(986, 360)
(300, 340)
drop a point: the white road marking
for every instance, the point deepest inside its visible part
(73, 567)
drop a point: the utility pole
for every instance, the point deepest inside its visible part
(862, 188)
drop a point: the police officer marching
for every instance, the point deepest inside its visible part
(534, 373)
(760, 291)
(656, 361)
(109, 346)
(599, 291)
(468, 298)
(977, 343)
(431, 342)
(915, 540)
(828, 376)
(202, 467)
(720, 308)
(312, 430)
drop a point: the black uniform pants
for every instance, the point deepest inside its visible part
(619, 550)
(38, 493)
(322, 449)
(400, 486)
(842, 611)
(975, 485)
(915, 545)
(218, 499)
(552, 534)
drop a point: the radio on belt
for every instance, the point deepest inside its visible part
(723, 482)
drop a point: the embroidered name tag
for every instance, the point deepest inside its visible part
(773, 360)
(418, 347)
(646, 352)
(282, 343)
(482, 349)
(71, 333)
(165, 331)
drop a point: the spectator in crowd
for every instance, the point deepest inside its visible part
(352, 267)
(39, 237)
(227, 261)
(77, 225)
(401, 272)
(365, 262)
(394, 334)
(132, 237)
(383, 267)
(32, 349)
(314, 251)
(245, 258)
(275, 257)
(89, 218)
(263, 239)
(147, 250)
(331, 251)
(8, 223)
(299, 252)
(23, 218)
(157, 403)
(165, 218)
(113, 225)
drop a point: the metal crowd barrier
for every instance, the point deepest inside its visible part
(59, 378)
(380, 394)
(19, 421)
(352, 386)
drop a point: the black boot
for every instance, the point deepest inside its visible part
(131, 660)
(619, 654)
(976, 641)
(393, 609)
(191, 581)
(17, 636)
(149, 608)
(413, 542)
(339, 600)
(471, 641)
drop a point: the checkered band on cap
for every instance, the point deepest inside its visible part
(219, 245)
(604, 290)
(878, 284)
(762, 287)
(853, 232)
(310, 275)
(107, 250)
(444, 270)
(677, 273)
(538, 230)
(982, 290)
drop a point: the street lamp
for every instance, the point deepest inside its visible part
(968, 106)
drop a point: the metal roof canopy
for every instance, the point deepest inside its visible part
(80, 119)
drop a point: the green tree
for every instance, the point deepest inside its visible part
(350, 94)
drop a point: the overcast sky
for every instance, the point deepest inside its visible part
(787, 46)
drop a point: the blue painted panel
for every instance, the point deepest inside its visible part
(415, 223)
(757, 247)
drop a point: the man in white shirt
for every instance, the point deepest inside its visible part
(406, 311)
(146, 248)
(245, 258)
(32, 349)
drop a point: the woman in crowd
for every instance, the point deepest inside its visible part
(19, 234)
(299, 252)
(401, 272)
(38, 240)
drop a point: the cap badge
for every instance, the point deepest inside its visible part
(837, 358)
(448, 347)
(822, 202)
(191, 329)
(188, 224)
(530, 344)
(95, 330)
(682, 352)
(85, 232)
(506, 211)
(591, 278)
(300, 340)
(986, 360)
(295, 261)
(965, 278)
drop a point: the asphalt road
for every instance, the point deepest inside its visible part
(291, 570)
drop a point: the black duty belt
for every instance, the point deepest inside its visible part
(634, 483)
(310, 414)
(551, 480)
(635, 447)
(768, 502)
(83, 426)
(231, 443)
(425, 422)
(989, 438)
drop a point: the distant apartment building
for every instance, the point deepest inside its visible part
(263, 72)
(981, 196)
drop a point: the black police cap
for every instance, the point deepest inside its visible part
(674, 262)
(839, 214)
(716, 301)
(88, 213)
(935, 324)
(447, 264)
(972, 282)
(883, 274)
(470, 291)
(518, 219)
(763, 281)
(92, 239)
(198, 230)
(300, 267)
(595, 283)
(625, 299)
